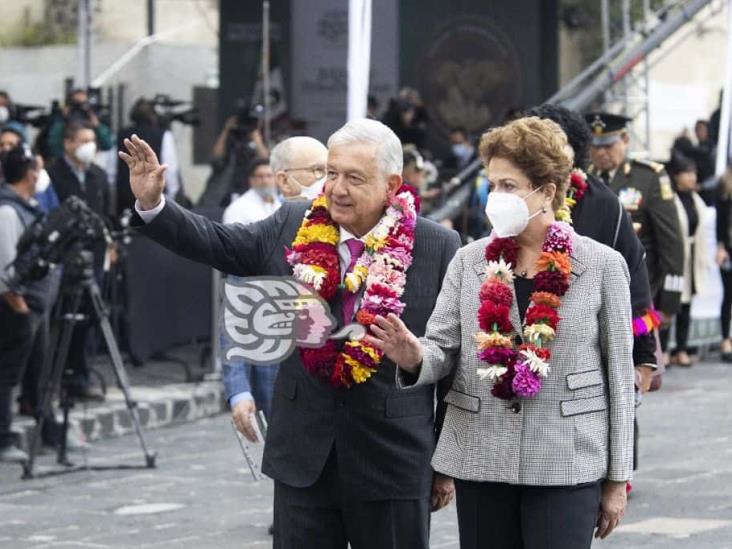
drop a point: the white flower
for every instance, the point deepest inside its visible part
(309, 275)
(492, 373)
(500, 270)
(535, 363)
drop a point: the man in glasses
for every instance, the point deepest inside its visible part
(299, 167)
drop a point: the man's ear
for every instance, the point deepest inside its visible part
(393, 184)
(281, 181)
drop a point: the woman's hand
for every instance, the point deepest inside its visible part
(612, 507)
(397, 342)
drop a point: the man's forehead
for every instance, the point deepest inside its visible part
(352, 153)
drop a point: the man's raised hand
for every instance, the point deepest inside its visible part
(147, 176)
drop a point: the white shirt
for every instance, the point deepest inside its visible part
(11, 229)
(249, 208)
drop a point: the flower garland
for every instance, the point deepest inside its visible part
(517, 372)
(576, 190)
(381, 268)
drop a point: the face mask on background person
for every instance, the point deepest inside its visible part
(508, 213)
(43, 181)
(461, 150)
(4, 114)
(265, 193)
(311, 192)
(85, 153)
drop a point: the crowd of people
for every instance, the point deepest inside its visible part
(538, 341)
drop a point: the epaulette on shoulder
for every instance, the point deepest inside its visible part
(655, 166)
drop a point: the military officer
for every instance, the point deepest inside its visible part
(645, 191)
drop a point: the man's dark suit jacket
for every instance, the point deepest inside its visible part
(383, 437)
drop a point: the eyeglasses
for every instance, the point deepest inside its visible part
(317, 171)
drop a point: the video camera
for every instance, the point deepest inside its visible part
(248, 118)
(52, 240)
(171, 110)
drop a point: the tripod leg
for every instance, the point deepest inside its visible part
(118, 366)
(52, 372)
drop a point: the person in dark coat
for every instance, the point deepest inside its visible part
(646, 194)
(75, 174)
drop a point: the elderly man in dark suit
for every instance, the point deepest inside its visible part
(351, 465)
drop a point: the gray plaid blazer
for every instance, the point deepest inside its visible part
(580, 426)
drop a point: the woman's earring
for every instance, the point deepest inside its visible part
(543, 209)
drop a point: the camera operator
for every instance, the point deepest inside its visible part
(75, 174)
(12, 136)
(237, 146)
(77, 110)
(146, 125)
(23, 317)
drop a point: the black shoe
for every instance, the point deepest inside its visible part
(726, 357)
(86, 393)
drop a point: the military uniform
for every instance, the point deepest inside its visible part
(645, 191)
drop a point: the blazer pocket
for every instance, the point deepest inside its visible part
(408, 406)
(579, 380)
(464, 401)
(583, 405)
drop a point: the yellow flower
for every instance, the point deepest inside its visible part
(317, 233)
(539, 334)
(374, 243)
(359, 372)
(494, 339)
(563, 214)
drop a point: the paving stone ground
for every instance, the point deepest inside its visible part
(201, 496)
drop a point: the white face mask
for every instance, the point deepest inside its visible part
(311, 192)
(85, 153)
(4, 114)
(508, 213)
(43, 181)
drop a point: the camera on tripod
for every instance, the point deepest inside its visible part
(65, 236)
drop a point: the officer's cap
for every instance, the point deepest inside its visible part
(606, 128)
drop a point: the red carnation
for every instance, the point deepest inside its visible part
(578, 184)
(496, 292)
(553, 282)
(505, 248)
(317, 361)
(365, 318)
(542, 313)
(497, 355)
(490, 313)
(341, 374)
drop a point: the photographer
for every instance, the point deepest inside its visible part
(75, 174)
(238, 144)
(24, 334)
(77, 110)
(145, 124)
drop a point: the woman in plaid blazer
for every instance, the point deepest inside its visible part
(540, 446)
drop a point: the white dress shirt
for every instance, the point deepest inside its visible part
(250, 208)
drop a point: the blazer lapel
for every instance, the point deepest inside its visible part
(514, 316)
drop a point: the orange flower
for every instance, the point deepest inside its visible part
(559, 260)
(545, 298)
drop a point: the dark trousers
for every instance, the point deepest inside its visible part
(683, 323)
(726, 314)
(504, 516)
(17, 337)
(326, 516)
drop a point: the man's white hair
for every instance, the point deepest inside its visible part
(389, 153)
(280, 157)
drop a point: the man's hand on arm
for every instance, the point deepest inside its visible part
(242, 412)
